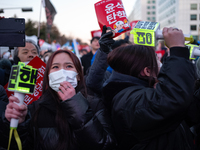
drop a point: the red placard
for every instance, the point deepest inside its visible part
(133, 23)
(112, 14)
(29, 98)
(41, 42)
(85, 47)
(160, 54)
(96, 33)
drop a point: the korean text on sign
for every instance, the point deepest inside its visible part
(22, 78)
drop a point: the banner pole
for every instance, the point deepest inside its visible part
(39, 19)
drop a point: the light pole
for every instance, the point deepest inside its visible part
(25, 9)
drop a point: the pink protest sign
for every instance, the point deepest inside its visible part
(36, 63)
(112, 14)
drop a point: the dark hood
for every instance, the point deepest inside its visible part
(123, 78)
(118, 82)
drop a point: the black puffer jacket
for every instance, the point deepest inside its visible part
(193, 115)
(3, 95)
(89, 129)
(97, 73)
(145, 118)
(3, 103)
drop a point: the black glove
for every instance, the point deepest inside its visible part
(106, 40)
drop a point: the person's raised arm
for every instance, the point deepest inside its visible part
(97, 71)
(174, 39)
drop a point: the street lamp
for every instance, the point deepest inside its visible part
(27, 9)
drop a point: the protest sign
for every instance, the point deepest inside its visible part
(29, 98)
(112, 14)
(96, 33)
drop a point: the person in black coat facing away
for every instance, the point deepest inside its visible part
(193, 115)
(148, 106)
(62, 118)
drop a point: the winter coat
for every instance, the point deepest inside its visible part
(193, 115)
(147, 118)
(97, 73)
(86, 61)
(3, 103)
(89, 130)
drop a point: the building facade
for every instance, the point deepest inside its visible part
(183, 14)
(144, 10)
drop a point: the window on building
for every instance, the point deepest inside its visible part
(195, 37)
(153, 7)
(193, 6)
(148, 7)
(193, 17)
(148, 13)
(153, 2)
(153, 12)
(148, 18)
(193, 27)
(149, 2)
(153, 18)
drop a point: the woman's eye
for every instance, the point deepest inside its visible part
(54, 67)
(69, 66)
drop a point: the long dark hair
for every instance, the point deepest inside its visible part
(81, 84)
(64, 131)
(132, 59)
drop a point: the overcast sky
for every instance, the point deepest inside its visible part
(76, 18)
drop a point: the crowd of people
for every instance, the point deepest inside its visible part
(119, 96)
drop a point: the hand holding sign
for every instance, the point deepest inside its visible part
(13, 110)
(147, 33)
(173, 37)
(22, 80)
(106, 40)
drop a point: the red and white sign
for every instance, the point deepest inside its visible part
(133, 23)
(41, 42)
(160, 54)
(112, 14)
(85, 47)
(29, 98)
(96, 33)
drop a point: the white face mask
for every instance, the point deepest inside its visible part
(55, 78)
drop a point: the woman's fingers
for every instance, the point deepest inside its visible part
(67, 90)
(66, 85)
(15, 111)
(13, 99)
